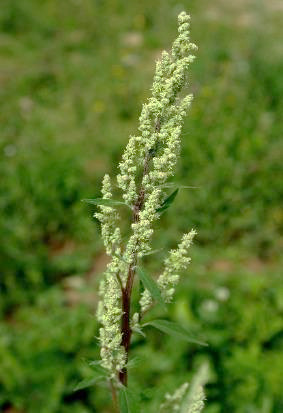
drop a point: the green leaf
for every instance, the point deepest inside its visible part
(87, 383)
(93, 362)
(139, 331)
(174, 330)
(151, 286)
(102, 201)
(153, 251)
(168, 201)
(124, 403)
(172, 185)
(97, 368)
(128, 400)
(135, 361)
(99, 373)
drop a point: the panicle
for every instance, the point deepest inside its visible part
(161, 119)
(176, 261)
(148, 161)
(138, 243)
(109, 313)
(109, 217)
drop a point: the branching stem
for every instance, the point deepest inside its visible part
(127, 290)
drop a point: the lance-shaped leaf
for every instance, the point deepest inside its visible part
(174, 330)
(103, 201)
(151, 286)
(128, 400)
(139, 331)
(153, 251)
(135, 361)
(88, 382)
(97, 368)
(172, 185)
(168, 201)
(124, 400)
(99, 373)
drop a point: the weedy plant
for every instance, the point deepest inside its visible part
(148, 162)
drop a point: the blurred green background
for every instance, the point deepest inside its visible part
(73, 75)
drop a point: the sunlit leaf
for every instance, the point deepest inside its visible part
(153, 251)
(105, 202)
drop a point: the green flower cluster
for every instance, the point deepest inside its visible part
(109, 217)
(147, 163)
(109, 314)
(173, 401)
(176, 262)
(187, 399)
(161, 119)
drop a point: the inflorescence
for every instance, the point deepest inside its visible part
(148, 162)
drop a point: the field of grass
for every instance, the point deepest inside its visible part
(73, 76)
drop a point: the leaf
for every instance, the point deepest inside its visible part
(151, 286)
(189, 187)
(102, 201)
(124, 400)
(172, 185)
(87, 383)
(168, 201)
(94, 362)
(135, 361)
(153, 251)
(174, 330)
(99, 373)
(128, 400)
(139, 331)
(97, 368)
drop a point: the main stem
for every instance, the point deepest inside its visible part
(127, 290)
(114, 397)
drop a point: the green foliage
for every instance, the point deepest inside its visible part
(128, 400)
(124, 400)
(70, 96)
(41, 219)
(151, 286)
(168, 201)
(173, 329)
(41, 352)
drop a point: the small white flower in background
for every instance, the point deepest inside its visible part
(209, 306)
(222, 293)
(10, 150)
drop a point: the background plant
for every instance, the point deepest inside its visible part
(69, 92)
